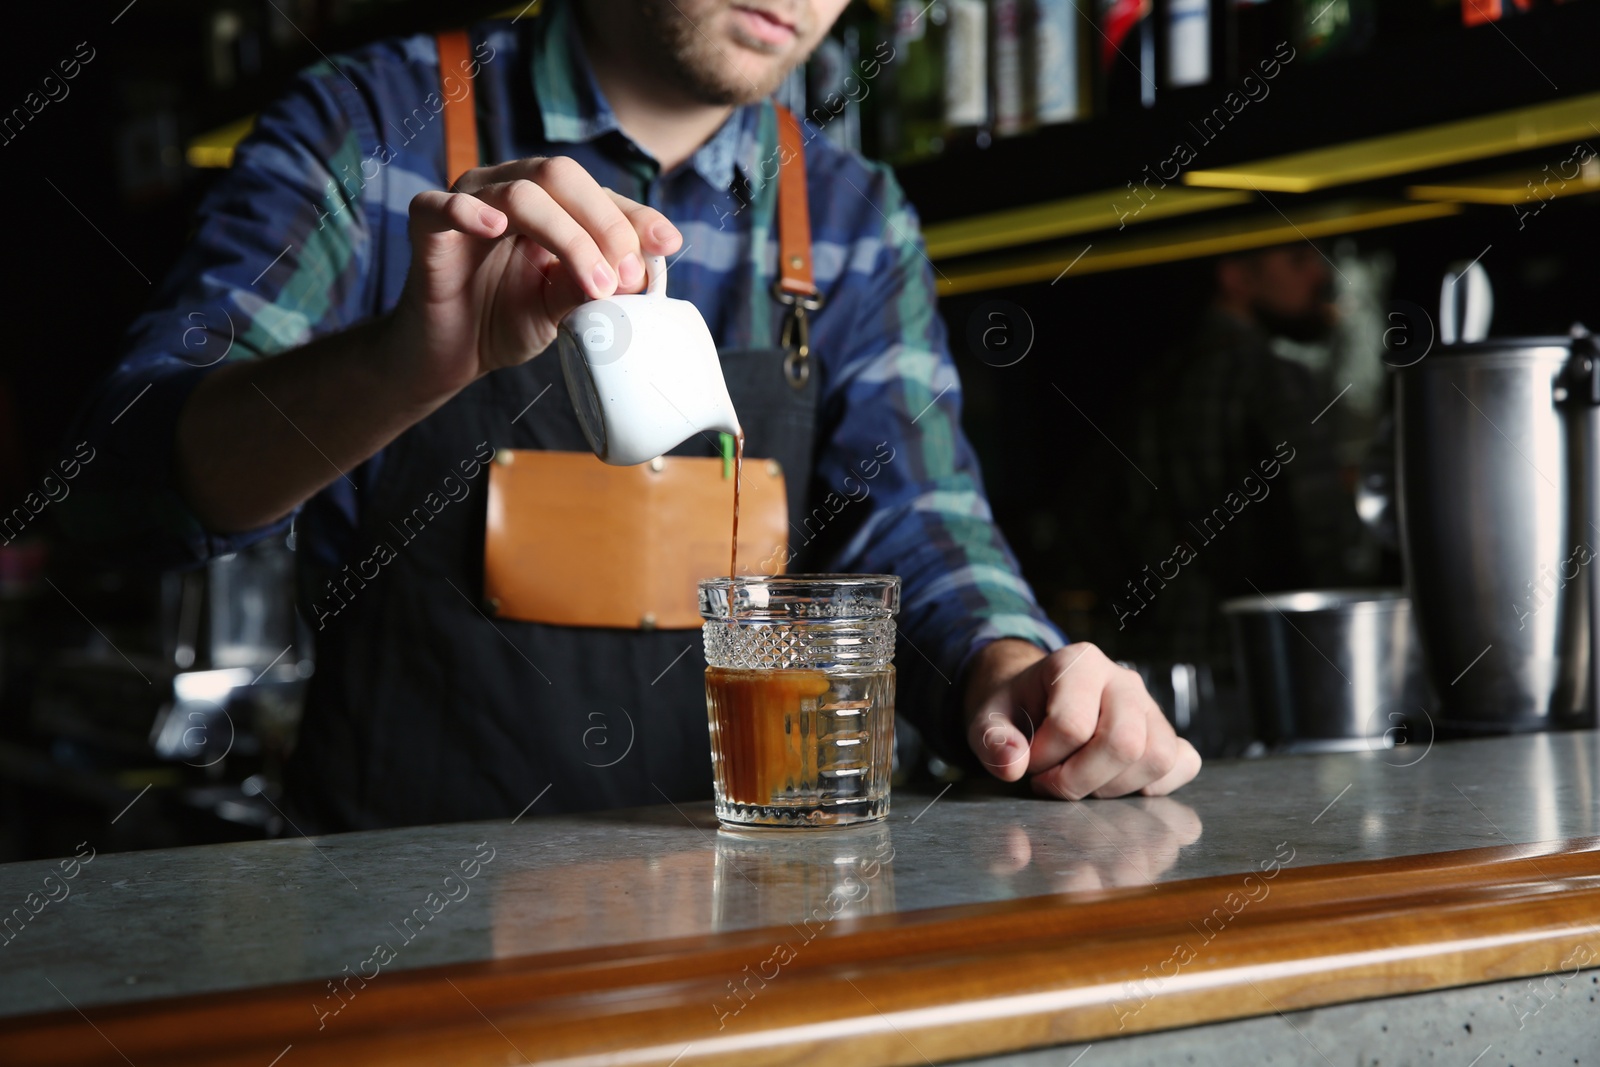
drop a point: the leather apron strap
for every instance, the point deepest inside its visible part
(794, 285)
(460, 116)
(794, 218)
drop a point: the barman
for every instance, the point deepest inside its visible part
(354, 334)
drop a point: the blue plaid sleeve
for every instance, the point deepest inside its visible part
(894, 442)
(280, 254)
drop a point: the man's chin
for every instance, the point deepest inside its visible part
(738, 86)
(724, 66)
(757, 67)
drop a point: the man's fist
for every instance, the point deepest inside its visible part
(1074, 720)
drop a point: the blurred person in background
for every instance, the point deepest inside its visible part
(1238, 489)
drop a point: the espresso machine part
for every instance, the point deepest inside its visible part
(1496, 491)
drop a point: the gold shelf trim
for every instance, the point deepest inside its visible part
(1516, 130)
(215, 148)
(1107, 210)
(1209, 239)
(1516, 186)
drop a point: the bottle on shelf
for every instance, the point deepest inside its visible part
(1333, 27)
(1056, 71)
(850, 79)
(1009, 34)
(233, 45)
(867, 30)
(1189, 42)
(1127, 54)
(1477, 12)
(966, 73)
(913, 126)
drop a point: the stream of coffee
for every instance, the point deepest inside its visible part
(738, 479)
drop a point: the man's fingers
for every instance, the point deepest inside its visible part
(623, 231)
(1160, 756)
(536, 279)
(436, 211)
(1098, 731)
(593, 208)
(657, 235)
(1186, 767)
(996, 738)
(1119, 738)
(535, 214)
(1070, 684)
(560, 293)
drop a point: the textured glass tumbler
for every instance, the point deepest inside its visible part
(800, 696)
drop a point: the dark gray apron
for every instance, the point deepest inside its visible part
(424, 710)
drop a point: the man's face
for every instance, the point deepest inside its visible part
(1293, 293)
(734, 51)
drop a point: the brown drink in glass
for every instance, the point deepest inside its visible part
(800, 697)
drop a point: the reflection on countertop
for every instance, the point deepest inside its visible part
(131, 926)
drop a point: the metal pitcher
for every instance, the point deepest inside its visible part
(1496, 454)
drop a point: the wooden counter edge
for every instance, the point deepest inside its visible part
(911, 987)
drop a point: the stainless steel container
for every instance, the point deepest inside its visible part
(1328, 670)
(1494, 486)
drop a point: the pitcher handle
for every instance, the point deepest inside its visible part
(655, 270)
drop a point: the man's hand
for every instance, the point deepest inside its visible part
(493, 270)
(496, 266)
(1074, 720)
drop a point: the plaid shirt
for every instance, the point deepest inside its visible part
(306, 236)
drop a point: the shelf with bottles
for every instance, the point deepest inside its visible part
(940, 75)
(1521, 158)
(1065, 97)
(1495, 198)
(1169, 96)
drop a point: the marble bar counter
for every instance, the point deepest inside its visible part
(975, 922)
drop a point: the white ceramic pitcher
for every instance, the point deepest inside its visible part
(643, 372)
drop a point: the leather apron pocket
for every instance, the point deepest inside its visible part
(572, 541)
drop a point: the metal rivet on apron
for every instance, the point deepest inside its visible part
(648, 622)
(658, 464)
(493, 604)
(503, 457)
(796, 262)
(774, 468)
